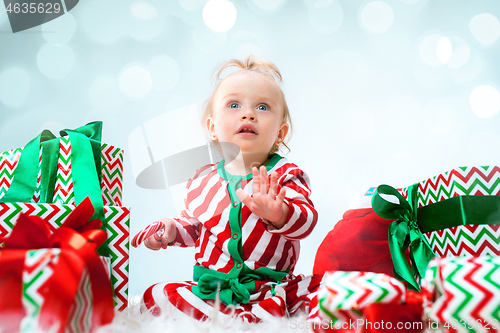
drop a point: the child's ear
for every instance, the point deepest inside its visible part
(211, 128)
(283, 131)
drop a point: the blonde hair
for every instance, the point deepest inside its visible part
(256, 65)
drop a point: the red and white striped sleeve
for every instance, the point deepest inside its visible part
(302, 216)
(188, 226)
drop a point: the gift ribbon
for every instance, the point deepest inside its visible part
(78, 240)
(85, 165)
(411, 222)
(233, 289)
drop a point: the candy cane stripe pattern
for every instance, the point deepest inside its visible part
(145, 233)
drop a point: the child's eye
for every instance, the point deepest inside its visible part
(262, 107)
(234, 105)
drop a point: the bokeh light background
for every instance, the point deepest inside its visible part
(391, 91)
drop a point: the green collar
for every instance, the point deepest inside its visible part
(273, 160)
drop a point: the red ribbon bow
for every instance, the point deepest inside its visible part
(78, 241)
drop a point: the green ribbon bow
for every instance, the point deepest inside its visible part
(233, 288)
(85, 165)
(404, 233)
(407, 230)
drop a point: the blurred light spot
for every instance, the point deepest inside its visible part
(105, 93)
(428, 50)
(165, 72)
(145, 24)
(14, 87)
(358, 124)
(444, 50)
(485, 28)
(55, 61)
(135, 82)
(104, 21)
(485, 101)
(219, 15)
(60, 30)
(267, 5)
(377, 17)
(326, 16)
(460, 54)
(247, 49)
(192, 5)
(207, 39)
(143, 11)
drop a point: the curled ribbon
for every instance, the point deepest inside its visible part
(79, 241)
(404, 233)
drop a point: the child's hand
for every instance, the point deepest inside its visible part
(265, 201)
(157, 241)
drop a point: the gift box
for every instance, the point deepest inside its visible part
(116, 221)
(111, 171)
(344, 295)
(55, 280)
(50, 175)
(462, 294)
(453, 214)
(463, 240)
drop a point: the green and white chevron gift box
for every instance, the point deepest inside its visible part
(117, 221)
(463, 240)
(343, 294)
(111, 170)
(463, 294)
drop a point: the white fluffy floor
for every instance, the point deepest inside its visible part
(132, 321)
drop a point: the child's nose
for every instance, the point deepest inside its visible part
(248, 113)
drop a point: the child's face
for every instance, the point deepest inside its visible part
(248, 111)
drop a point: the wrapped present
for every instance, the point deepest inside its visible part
(452, 214)
(344, 295)
(116, 221)
(50, 175)
(462, 294)
(54, 280)
(57, 154)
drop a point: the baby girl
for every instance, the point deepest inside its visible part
(245, 215)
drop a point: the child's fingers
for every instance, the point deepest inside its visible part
(152, 244)
(273, 186)
(264, 185)
(243, 196)
(281, 195)
(256, 180)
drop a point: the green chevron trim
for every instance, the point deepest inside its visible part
(461, 236)
(468, 296)
(487, 277)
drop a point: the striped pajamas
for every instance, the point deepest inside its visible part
(234, 244)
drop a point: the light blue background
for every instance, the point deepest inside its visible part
(371, 101)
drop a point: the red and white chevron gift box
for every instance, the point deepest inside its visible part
(117, 219)
(111, 167)
(39, 266)
(463, 240)
(463, 294)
